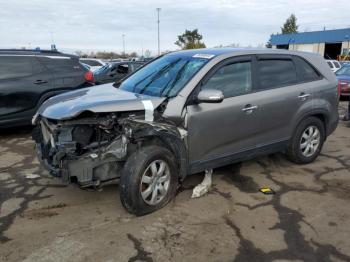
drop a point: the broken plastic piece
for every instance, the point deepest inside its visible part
(203, 187)
(32, 176)
(267, 191)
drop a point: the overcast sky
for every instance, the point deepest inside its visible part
(99, 24)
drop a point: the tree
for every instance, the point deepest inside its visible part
(290, 26)
(190, 40)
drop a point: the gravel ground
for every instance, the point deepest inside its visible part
(308, 219)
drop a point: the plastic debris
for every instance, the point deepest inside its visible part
(32, 176)
(203, 187)
(267, 191)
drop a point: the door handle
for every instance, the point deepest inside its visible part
(249, 109)
(39, 82)
(303, 96)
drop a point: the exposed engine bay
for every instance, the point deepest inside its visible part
(91, 149)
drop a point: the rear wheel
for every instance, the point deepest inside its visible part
(307, 141)
(149, 180)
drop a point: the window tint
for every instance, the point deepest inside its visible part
(233, 79)
(330, 64)
(276, 72)
(306, 71)
(15, 66)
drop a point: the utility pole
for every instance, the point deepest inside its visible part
(158, 10)
(123, 35)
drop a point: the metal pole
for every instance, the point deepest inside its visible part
(123, 35)
(158, 10)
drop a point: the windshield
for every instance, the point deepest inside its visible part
(164, 77)
(343, 71)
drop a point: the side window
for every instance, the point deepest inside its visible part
(233, 79)
(15, 66)
(123, 69)
(60, 64)
(306, 71)
(276, 72)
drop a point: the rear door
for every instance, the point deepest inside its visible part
(281, 98)
(21, 83)
(67, 72)
(218, 131)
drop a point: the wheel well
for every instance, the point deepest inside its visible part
(324, 120)
(178, 150)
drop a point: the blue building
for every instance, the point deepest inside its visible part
(328, 43)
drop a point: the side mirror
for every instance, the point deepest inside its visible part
(210, 96)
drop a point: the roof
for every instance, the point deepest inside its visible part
(33, 52)
(215, 52)
(206, 51)
(326, 36)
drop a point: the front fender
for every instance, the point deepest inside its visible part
(170, 136)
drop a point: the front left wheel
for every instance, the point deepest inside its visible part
(149, 180)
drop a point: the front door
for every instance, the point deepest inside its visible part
(218, 131)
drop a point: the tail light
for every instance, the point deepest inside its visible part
(339, 88)
(343, 87)
(89, 76)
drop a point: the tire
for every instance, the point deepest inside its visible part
(140, 168)
(297, 151)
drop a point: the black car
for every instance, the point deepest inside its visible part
(115, 71)
(29, 77)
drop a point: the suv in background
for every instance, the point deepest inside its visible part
(29, 77)
(334, 65)
(186, 112)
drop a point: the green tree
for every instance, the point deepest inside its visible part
(290, 26)
(190, 40)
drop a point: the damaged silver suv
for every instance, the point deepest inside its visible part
(184, 113)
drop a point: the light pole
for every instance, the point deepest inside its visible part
(158, 10)
(123, 35)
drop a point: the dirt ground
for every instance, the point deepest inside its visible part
(308, 219)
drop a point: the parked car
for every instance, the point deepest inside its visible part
(343, 76)
(93, 63)
(29, 77)
(184, 113)
(334, 65)
(114, 72)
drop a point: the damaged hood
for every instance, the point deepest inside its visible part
(98, 99)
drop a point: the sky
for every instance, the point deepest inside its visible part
(92, 25)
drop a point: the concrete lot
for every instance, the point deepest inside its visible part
(308, 219)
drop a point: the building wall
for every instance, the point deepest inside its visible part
(314, 48)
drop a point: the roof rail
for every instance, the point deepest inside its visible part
(30, 50)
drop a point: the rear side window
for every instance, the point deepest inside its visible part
(276, 72)
(305, 70)
(15, 66)
(330, 64)
(233, 79)
(61, 64)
